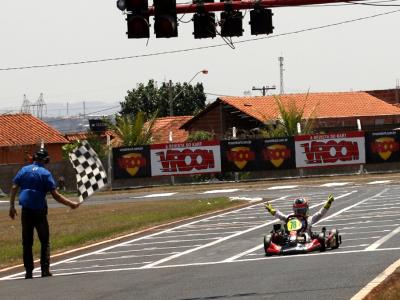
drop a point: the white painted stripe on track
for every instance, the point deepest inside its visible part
(333, 184)
(235, 257)
(335, 252)
(154, 195)
(282, 187)
(138, 239)
(219, 191)
(170, 241)
(379, 242)
(251, 199)
(376, 281)
(115, 258)
(373, 226)
(363, 238)
(145, 249)
(379, 181)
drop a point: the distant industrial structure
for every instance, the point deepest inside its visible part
(34, 108)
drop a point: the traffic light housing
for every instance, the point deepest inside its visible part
(231, 21)
(261, 21)
(165, 19)
(138, 19)
(203, 21)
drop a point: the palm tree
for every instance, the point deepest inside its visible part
(134, 131)
(289, 116)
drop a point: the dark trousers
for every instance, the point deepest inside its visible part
(31, 219)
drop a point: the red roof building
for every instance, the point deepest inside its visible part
(21, 136)
(331, 111)
(163, 126)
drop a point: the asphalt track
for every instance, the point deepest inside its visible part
(221, 257)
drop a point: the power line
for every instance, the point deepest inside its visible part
(197, 48)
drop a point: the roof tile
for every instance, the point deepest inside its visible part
(25, 129)
(163, 126)
(318, 105)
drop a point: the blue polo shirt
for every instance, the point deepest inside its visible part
(35, 182)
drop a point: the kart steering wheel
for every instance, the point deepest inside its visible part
(302, 219)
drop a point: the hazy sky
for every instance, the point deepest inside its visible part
(361, 55)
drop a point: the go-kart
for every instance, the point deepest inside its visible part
(293, 238)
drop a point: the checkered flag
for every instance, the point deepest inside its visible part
(90, 174)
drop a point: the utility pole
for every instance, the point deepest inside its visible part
(264, 89)
(170, 99)
(281, 74)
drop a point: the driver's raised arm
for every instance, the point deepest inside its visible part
(275, 212)
(317, 216)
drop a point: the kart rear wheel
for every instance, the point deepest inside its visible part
(335, 242)
(267, 243)
(321, 240)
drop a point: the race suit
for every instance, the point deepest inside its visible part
(311, 220)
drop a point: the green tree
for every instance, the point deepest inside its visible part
(187, 99)
(289, 116)
(135, 130)
(200, 135)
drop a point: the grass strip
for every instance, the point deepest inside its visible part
(92, 223)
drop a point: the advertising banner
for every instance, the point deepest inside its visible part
(185, 158)
(239, 155)
(382, 147)
(333, 149)
(131, 162)
(277, 154)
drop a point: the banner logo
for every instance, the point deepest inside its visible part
(240, 156)
(276, 154)
(384, 146)
(331, 151)
(186, 160)
(131, 162)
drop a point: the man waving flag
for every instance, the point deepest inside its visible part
(90, 173)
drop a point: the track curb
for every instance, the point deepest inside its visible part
(376, 281)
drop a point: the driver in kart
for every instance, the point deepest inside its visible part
(300, 208)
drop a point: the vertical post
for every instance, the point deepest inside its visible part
(234, 136)
(301, 170)
(109, 161)
(170, 99)
(171, 113)
(361, 171)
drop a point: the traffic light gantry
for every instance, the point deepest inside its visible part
(204, 20)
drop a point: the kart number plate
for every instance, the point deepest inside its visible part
(294, 224)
